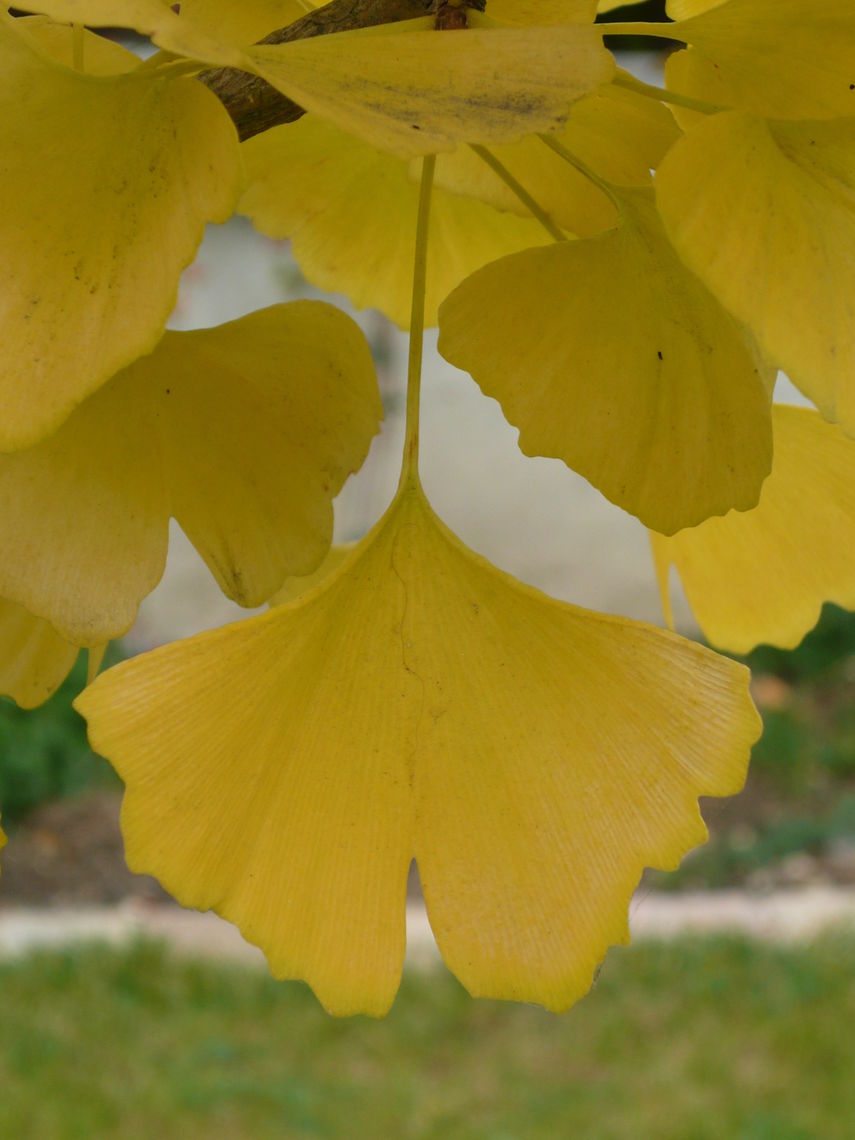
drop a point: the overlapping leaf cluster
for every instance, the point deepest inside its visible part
(623, 268)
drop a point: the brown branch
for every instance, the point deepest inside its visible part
(254, 105)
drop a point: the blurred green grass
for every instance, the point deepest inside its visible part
(689, 1040)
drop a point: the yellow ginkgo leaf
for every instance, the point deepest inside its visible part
(688, 72)
(763, 576)
(683, 9)
(34, 659)
(295, 587)
(533, 758)
(787, 59)
(246, 22)
(618, 133)
(542, 12)
(267, 418)
(411, 90)
(100, 55)
(764, 213)
(189, 29)
(349, 211)
(303, 834)
(94, 233)
(610, 5)
(83, 516)
(245, 433)
(569, 199)
(608, 354)
(341, 202)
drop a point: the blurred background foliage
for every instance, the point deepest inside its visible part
(44, 754)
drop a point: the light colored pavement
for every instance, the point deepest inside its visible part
(788, 916)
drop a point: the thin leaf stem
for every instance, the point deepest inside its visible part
(533, 207)
(663, 95)
(582, 167)
(410, 463)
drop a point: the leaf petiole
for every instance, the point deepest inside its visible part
(583, 168)
(663, 95)
(410, 461)
(534, 208)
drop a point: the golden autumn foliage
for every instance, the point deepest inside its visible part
(624, 268)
